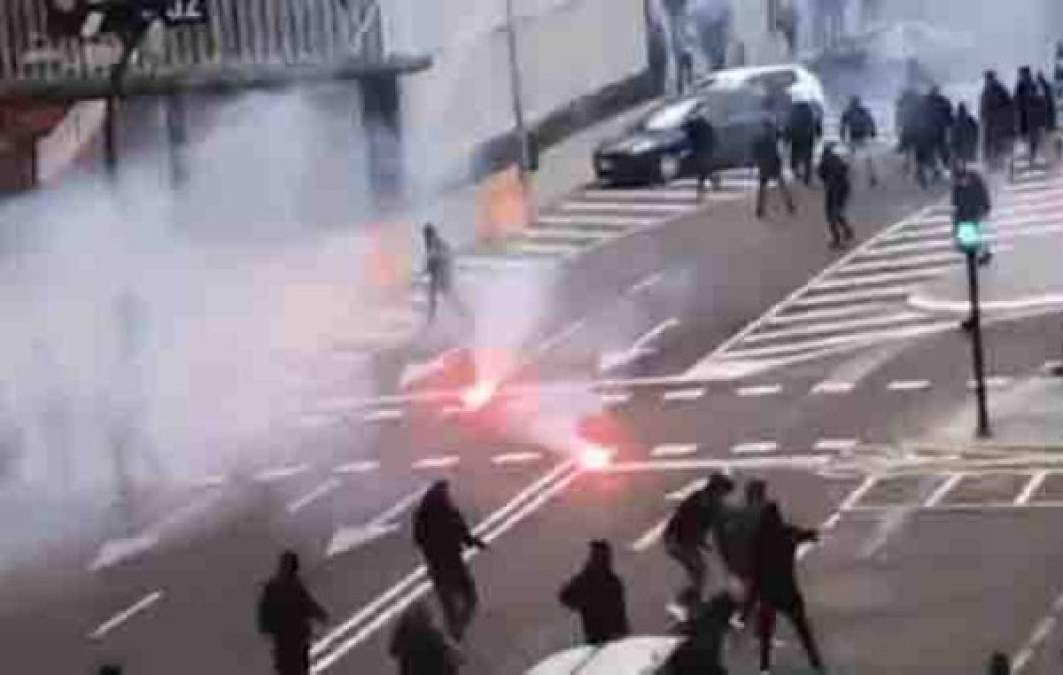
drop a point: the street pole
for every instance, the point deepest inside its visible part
(516, 90)
(976, 343)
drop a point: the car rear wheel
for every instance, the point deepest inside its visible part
(668, 168)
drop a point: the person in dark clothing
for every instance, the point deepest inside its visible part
(775, 562)
(1051, 114)
(701, 650)
(906, 118)
(109, 669)
(803, 129)
(286, 614)
(1031, 109)
(999, 664)
(769, 168)
(858, 131)
(964, 136)
(597, 594)
(834, 173)
(439, 267)
(997, 114)
(925, 144)
(686, 532)
(970, 203)
(736, 546)
(702, 141)
(420, 647)
(941, 120)
(439, 530)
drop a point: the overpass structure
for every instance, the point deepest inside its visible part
(64, 49)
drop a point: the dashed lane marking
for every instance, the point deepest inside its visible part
(382, 415)
(281, 473)
(692, 394)
(685, 491)
(943, 490)
(833, 387)
(761, 390)
(908, 385)
(1037, 638)
(755, 448)
(441, 462)
(516, 458)
(359, 467)
(322, 490)
(602, 205)
(674, 450)
(1031, 488)
(125, 615)
(992, 382)
(837, 444)
(614, 398)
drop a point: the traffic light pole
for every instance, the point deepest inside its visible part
(977, 348)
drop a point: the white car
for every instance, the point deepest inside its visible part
(642, 655)
(799, 83)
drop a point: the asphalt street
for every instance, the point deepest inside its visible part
(931, 558)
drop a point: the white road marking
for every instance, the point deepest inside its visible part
(843, 445)
(1031, 488)
(862, 309)
(623, 206)
(382, 415)
(755, 448)
(674, 450)
(312, 496)
(687, 490)
(992, 382)
(718, 464)
(761, 390)
(821, 299)
(516, 458)
(441, 462)
(942, 491)
(414, 371)
(645, 284)
(628, 221)
(908, 385)
(345, 538)
(281, 473)
(1040, 634)
(559, 337)
(639, 348)
(785, 348)
(837, 326)
(837, 282)
(614, 398)
(1049, 366)
(364, 466)
(542, 247)
(944, 259)
(849, 503)
(125, 615)
(587, 233)
(652, 535)
(686, 196)
(692, 394)
(832, 387)
(317, 421)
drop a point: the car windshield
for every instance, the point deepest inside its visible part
(669, 116)
(725, 104)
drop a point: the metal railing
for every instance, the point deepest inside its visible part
(237, 33)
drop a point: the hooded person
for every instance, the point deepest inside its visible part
(834, 173)
(420, 648)
(775, 575)
(440, 532)
(286, 614)
(596, 593)
(685, 534)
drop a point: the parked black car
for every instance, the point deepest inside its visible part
(655, 149)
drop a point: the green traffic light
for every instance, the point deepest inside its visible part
(969, 235)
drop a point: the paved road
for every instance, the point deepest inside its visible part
(166, 580)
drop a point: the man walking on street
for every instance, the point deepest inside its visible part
(834, 173)
(997, 114)
(439, 267)
(1051, 114)
(1032, 112)
(286, 614)
(964, 136)
(441, 533)
(597, 594)
(858, 131)
(693, 521)
(802, 131)
(769, 167)
(775, 562)
(941, 121)
(702, 141)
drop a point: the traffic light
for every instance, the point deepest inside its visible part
(968, 236)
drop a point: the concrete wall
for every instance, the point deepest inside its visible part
(568, 49)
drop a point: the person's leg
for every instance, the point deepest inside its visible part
(469, 601)
(765, 634)
(762, 186)
(832, 221)
(785, 190)
(799, 619)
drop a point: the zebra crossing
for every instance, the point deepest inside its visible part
(863, 298)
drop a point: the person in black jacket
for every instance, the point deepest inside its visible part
(905, 117)
(803, 129)
(1031, 109)
(997, 114)
(858, 131)
(286, 613)
(1051, 113)
(941, 120)
(597, 594)
(964, 136)
(834, 173)
(420, 647)
(776, 580)
(702, 141)
(701, 650)
(769, 167)
(694, 519)
(439, 530)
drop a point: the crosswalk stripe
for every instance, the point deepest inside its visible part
(595, 206)
(790, 317)
(755, 448)
(536, 234)
(949, 258)
(674, 450)
(884, 278)
(914, 330)
(835, 327)
(832, 387)
(687, 196)
(820, 299)
(614, 220)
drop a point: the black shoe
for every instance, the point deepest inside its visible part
(967, 325)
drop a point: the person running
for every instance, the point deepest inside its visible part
(440, 532)
(1032, 113)
(775, 562)
(803, 129)
(439, 267)
(834, 173)
(964, 139)
(769, 167)
(858, 130)
(702, 141)
(286, 614)
(687, 530)
(420, 648)
(597, 594)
